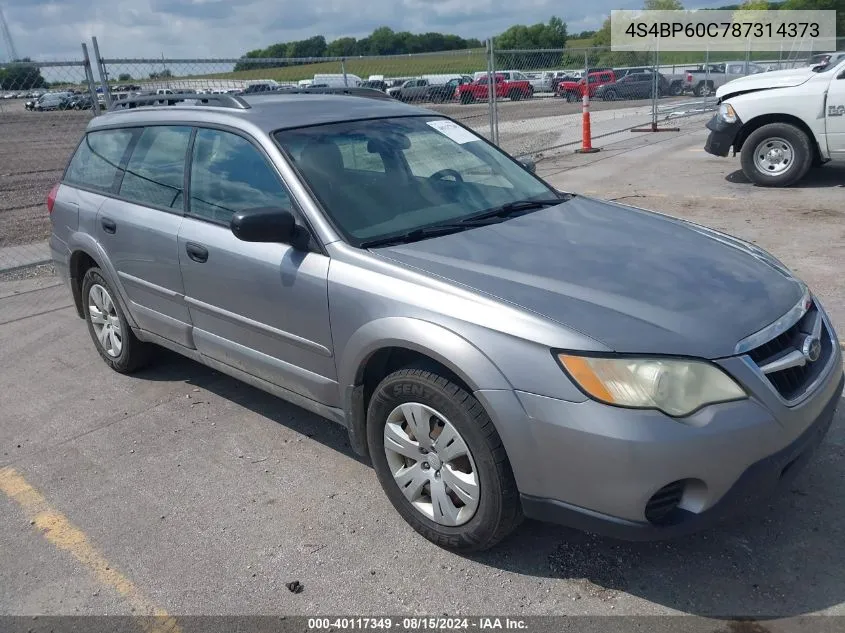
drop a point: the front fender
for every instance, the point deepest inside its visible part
(83, 242)
(443, 345)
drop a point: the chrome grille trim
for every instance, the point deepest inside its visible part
(777, 328)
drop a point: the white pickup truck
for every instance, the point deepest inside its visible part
(782, 122)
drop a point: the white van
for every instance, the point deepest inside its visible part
(337, 80)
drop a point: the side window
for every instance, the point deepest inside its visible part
(96, 162)
(229, 174)
(156, 170)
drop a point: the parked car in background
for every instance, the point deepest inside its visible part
(575, 90)
(449, 90)
(541, 81)
(479, 89)
(338, 80)
(640, 85)
(375, 84)
(413, 90)
(782, 122)
(705, 80)
(563, 77)
(80, 102)
(49, 101)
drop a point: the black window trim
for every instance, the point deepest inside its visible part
(133, 144)
(315, 244)
(113, 192)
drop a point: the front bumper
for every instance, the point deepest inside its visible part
(595, 467)
(722, 136)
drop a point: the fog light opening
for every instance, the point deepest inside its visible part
(664, 503)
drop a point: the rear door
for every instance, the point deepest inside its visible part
(259, 307)
(138, 229)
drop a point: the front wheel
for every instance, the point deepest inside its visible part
(776, 155)
(610, 95)
(441, 462)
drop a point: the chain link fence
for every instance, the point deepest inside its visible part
(530, 102)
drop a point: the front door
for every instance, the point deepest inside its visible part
(835, 119)
(138, 230)
(259, 307)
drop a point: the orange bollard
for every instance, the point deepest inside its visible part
(586, 134)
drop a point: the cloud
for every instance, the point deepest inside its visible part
(54, 29)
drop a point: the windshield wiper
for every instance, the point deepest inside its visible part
(416, 235)
(512, 208)
(491, 216)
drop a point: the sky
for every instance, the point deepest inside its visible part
(48, 30)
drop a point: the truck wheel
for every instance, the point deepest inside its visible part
(610, 95)
(514, 94)
(571, 96)
(676, 89)
(467, 97)
(776, 155)
(703, 89)
(441, 462)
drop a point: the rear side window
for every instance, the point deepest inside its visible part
(156, 170)
(96, 163)
(229, 174)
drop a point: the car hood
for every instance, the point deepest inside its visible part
(634, 280)
(766, 80)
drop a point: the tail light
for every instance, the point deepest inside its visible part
(51, 197)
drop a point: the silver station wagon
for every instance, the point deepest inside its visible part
(499, 349)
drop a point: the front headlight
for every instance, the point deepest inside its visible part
(676, 387)
(726, 113)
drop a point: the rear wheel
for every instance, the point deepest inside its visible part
(776, 155)
(610, 95)
(571, 96)
(441, 462)
(114, 340)
(703, 89)
(467, 97)
(515, 94)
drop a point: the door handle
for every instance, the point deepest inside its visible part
(196, 252)
(109, 225)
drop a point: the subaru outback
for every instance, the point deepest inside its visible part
(498, 348)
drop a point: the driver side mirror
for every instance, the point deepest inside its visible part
(528, 163)
(268, 224)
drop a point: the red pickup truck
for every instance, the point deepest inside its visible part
(574, 90)
(479, 90)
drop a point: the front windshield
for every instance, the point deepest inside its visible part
(386, 177)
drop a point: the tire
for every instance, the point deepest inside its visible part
(467, 97)
(776, 155)
(514, 94)
(703, 89)
(571, 97)
(676, 89)
(476, 525)
(133, 354)
(610, 95)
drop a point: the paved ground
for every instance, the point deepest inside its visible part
(185, 491)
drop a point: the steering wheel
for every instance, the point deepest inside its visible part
(439, 175)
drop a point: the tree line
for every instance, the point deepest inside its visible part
(385, 41)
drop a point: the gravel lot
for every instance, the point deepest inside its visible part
(208, 497)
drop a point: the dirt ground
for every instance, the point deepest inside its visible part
(34, 148)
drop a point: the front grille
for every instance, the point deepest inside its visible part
(664, 501)
(782, 359)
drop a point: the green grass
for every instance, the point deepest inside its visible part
(397, 66)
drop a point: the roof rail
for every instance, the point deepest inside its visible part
(225, 101)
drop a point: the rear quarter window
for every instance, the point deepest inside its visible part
(96, 163)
